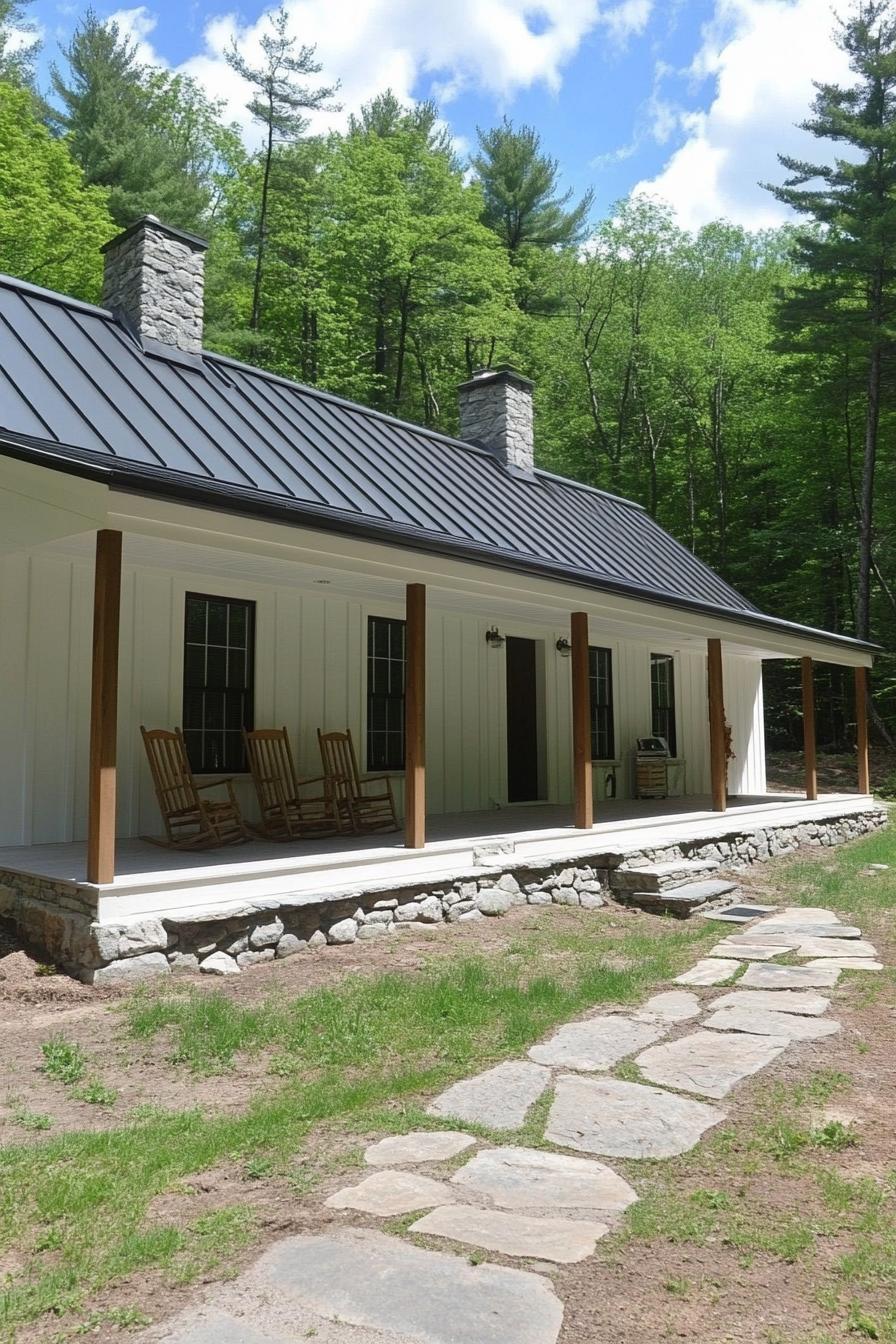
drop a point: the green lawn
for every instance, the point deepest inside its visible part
(362, 1057)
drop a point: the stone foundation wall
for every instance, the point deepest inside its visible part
(53, 918)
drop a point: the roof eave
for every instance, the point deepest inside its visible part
(163, 484)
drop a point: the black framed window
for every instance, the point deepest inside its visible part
(219, 676)
(662, 699)
(600, 681)
(386, 651)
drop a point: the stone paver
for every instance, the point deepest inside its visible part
(617, 1119)
(499, 1098)
(709, 971)
(596, 1044)
(836, 947)
(526, 1178)
(847, 963)
(775, 1001)
(710, 1063)
(789, 977)
(760, 1022)
(435, 1145)
(799, 932)
(800, 914)
(388, 1193)
(562, 1240)
(675, 1005)
(744, 912)
(754, 951)
(362, 1277)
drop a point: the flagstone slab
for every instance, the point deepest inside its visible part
(799, 932)
(500, 1098)
(789, 977)
(436, 1145)
(595, 1044)
(613, 1118)
(775, 1001)
(360, 1277)
(710, 1063)
(801, 914)
(388, 1193)
(709, 971)
(760, 1022)
(754, 951)
(674, 1005)
(562, 1240)
(744, 912)
(847, 963)
(527, 1178)
(836, 947)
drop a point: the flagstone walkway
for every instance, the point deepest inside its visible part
(358, 1285)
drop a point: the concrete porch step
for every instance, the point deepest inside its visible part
(680, 901)
(661, 876)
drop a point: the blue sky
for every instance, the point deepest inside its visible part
(689, 100)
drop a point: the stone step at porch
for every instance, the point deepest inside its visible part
(660, 876)
(681, 901)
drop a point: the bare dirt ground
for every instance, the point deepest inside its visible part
(836, 772)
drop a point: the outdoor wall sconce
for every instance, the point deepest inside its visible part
(493, 638)
(563, 647)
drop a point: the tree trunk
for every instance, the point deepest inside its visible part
(866, 498)
(255, 319)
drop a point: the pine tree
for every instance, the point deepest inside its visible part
(154, 139)
(18, 44)
(279, 103)
(519, 184)
(847, 300)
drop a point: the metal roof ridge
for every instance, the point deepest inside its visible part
(53, 296)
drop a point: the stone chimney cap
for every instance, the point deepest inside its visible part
(500, 373)
(192, 240)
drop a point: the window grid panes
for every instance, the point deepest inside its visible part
(219, 655)
(600, 680)
(385, 693)
(662, 699)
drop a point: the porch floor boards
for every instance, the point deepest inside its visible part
(535, 831)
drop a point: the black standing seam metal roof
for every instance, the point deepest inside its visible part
(76, 383)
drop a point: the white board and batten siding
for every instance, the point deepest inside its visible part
(310, 672)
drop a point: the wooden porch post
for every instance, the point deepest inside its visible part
(862, 729)
(104, 709)
(583, 797)
(717, 758)
(809, 729)
(415, 718)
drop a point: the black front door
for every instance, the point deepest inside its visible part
(522, 721)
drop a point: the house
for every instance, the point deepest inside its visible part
(189, 541)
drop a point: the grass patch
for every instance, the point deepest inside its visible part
(360, 1056)
(64, 1062)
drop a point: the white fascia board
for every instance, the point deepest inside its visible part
(457, 582)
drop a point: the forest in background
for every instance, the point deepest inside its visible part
(737, 384)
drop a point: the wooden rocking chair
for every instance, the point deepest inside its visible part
(355, 809)
(285, 813)
(190, 822)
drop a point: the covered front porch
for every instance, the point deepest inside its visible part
(151, 882)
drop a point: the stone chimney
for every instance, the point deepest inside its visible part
(153, 281)
(496, 413)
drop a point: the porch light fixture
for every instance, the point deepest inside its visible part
(493, 638)
(563, 647)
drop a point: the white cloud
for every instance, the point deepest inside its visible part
(763, 56)
(494, 46)
(138, 24)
